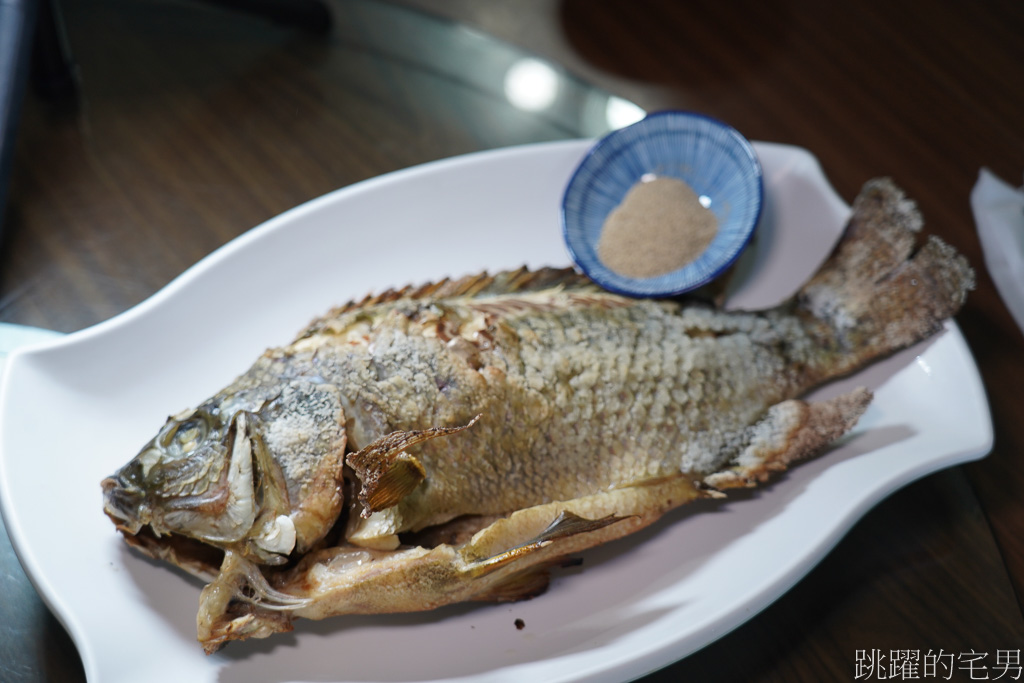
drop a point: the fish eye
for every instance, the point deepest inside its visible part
(181, 437)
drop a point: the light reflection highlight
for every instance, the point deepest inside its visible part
(531, 85)
(620, 113)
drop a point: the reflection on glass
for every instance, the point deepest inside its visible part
(505, 94)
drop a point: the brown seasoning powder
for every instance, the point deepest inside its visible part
(659, 227)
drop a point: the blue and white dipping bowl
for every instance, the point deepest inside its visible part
(713, 158)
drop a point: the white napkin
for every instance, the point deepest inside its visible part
(999, 214)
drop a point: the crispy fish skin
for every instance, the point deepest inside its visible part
(513, 419)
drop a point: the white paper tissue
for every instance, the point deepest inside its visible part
(999, 214)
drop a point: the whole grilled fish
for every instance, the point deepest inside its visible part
(452, 442)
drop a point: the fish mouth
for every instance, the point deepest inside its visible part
(220, 493)
(123, 503)
(199, 559)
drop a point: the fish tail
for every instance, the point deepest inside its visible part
(880, 291)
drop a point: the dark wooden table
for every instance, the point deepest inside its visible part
(194, 123)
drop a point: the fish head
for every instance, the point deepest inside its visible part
(199, 477)
(257, 473)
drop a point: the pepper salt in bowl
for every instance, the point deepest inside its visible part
(663, 206)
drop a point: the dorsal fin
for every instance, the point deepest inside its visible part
(479, 291)
(483, 284)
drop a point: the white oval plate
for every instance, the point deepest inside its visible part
(74, 410)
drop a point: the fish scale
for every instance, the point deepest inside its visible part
(556, 390)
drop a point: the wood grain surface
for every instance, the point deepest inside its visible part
(193, 123)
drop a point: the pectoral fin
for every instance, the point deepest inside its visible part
(513, 555)
(533, 580)
(392, 478)
(387, 473)
(565, 525)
